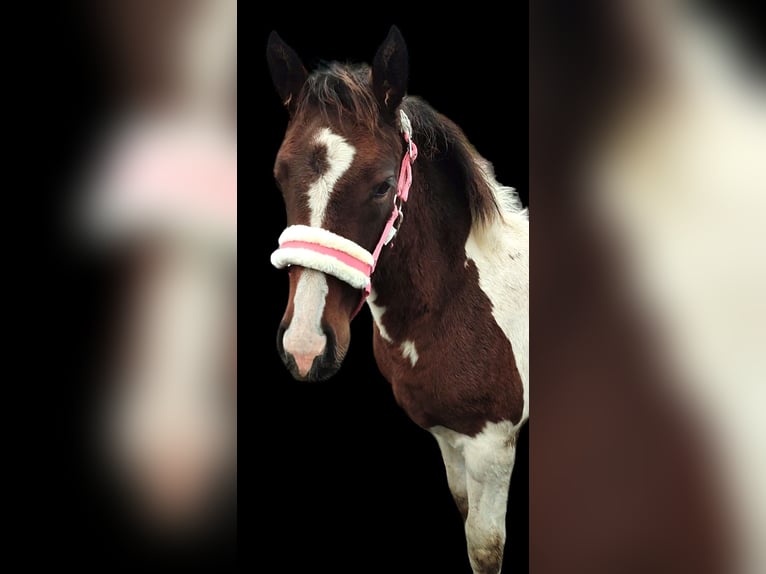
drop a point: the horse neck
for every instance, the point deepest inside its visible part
(414, 275)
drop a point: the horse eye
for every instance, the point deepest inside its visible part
(383, 189)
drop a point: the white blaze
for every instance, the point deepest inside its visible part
(304, 338)
(340, 154)
(377, 315)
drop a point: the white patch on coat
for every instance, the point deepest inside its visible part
(454, 465)
(500, 252)
(340, 154)
(304, 338)
(410, 352)
(482, 465)
(377, 316)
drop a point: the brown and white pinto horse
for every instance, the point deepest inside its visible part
(449, 296)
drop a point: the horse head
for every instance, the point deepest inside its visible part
(337, 170)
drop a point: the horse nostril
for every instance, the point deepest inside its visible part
(312, 361)
(329, 350)
(301, 348)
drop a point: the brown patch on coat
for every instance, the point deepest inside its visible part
(466, 373)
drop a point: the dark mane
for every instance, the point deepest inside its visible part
(344, 90)
(341, 90)
(439, 138)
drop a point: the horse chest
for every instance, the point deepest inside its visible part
(439, 384)
(413, 385)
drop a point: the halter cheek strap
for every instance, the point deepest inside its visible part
(322, 250)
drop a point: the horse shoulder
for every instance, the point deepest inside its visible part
(500, 252)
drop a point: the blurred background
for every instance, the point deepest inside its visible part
(139, 263)
(648, 178)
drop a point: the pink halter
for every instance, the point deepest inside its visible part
(325, 251)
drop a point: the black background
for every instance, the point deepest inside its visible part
(350, 482)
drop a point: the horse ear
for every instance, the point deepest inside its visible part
(389, 71)
(287, 71)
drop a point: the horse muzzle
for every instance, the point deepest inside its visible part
(309, 358)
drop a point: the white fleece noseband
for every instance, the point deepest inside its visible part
(325, 251)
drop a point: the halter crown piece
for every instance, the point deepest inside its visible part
(325, 251)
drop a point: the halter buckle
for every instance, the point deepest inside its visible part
(407, 131)
(398, 223)
(400, 218)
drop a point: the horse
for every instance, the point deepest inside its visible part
(447, 286)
